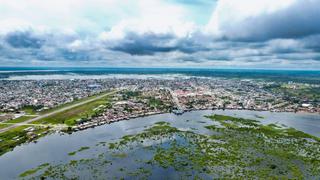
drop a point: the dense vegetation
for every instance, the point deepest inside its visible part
(14, 137)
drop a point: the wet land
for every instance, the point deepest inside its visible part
(200, 144)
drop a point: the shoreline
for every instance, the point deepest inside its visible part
(93, 124)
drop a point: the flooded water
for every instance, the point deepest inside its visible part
(54, 148)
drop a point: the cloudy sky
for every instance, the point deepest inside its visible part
(282, 34)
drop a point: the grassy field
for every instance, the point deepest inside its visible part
(30, 110)
(4, 125)
(20, 119)
(70, 116)
(66, 117)
(72, 103)
(17, 120)
(15, 137)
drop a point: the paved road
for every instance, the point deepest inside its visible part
(175, 99)
(57, 111)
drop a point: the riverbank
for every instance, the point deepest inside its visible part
(100, 121)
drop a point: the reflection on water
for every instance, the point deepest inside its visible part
(54, 148)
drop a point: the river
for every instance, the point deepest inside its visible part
(54, 148)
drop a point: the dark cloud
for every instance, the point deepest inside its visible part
(312, 42)
(298, 20)
(195, 49)
(150, 43)
(23, 40)
(74, 55)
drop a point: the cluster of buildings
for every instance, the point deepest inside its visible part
(140, 97)
(45, 94)
(128, 104)
(200, 93)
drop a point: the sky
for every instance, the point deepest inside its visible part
(268, 34)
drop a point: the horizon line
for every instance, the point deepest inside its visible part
(134, 67)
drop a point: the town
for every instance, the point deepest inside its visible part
(30, 109)
(192, 93)
(140, 97)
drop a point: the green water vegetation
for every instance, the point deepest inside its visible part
(79, 150)
(119, 155)
(235, 148)
(32, 171)
(19, 135)
(258, 116)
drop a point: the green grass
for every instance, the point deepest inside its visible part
(155, 102)
(72, 103)
(17, 120)
(30, 110)
(301, 92)
(16, 136)
(70, 116)
(4, 125)
(20, 119)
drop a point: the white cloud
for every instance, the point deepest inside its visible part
(95, 16)
(61, 14)
(234, 11)
(263, 19)
(155, 17)
(159, 33)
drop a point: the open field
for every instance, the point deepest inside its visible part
(13, 133)
(83, 104)
(75, 102)
(16, 136)
(70, 116)
(8, 123)
(20, 119)
(3, 125)
(32, 111)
